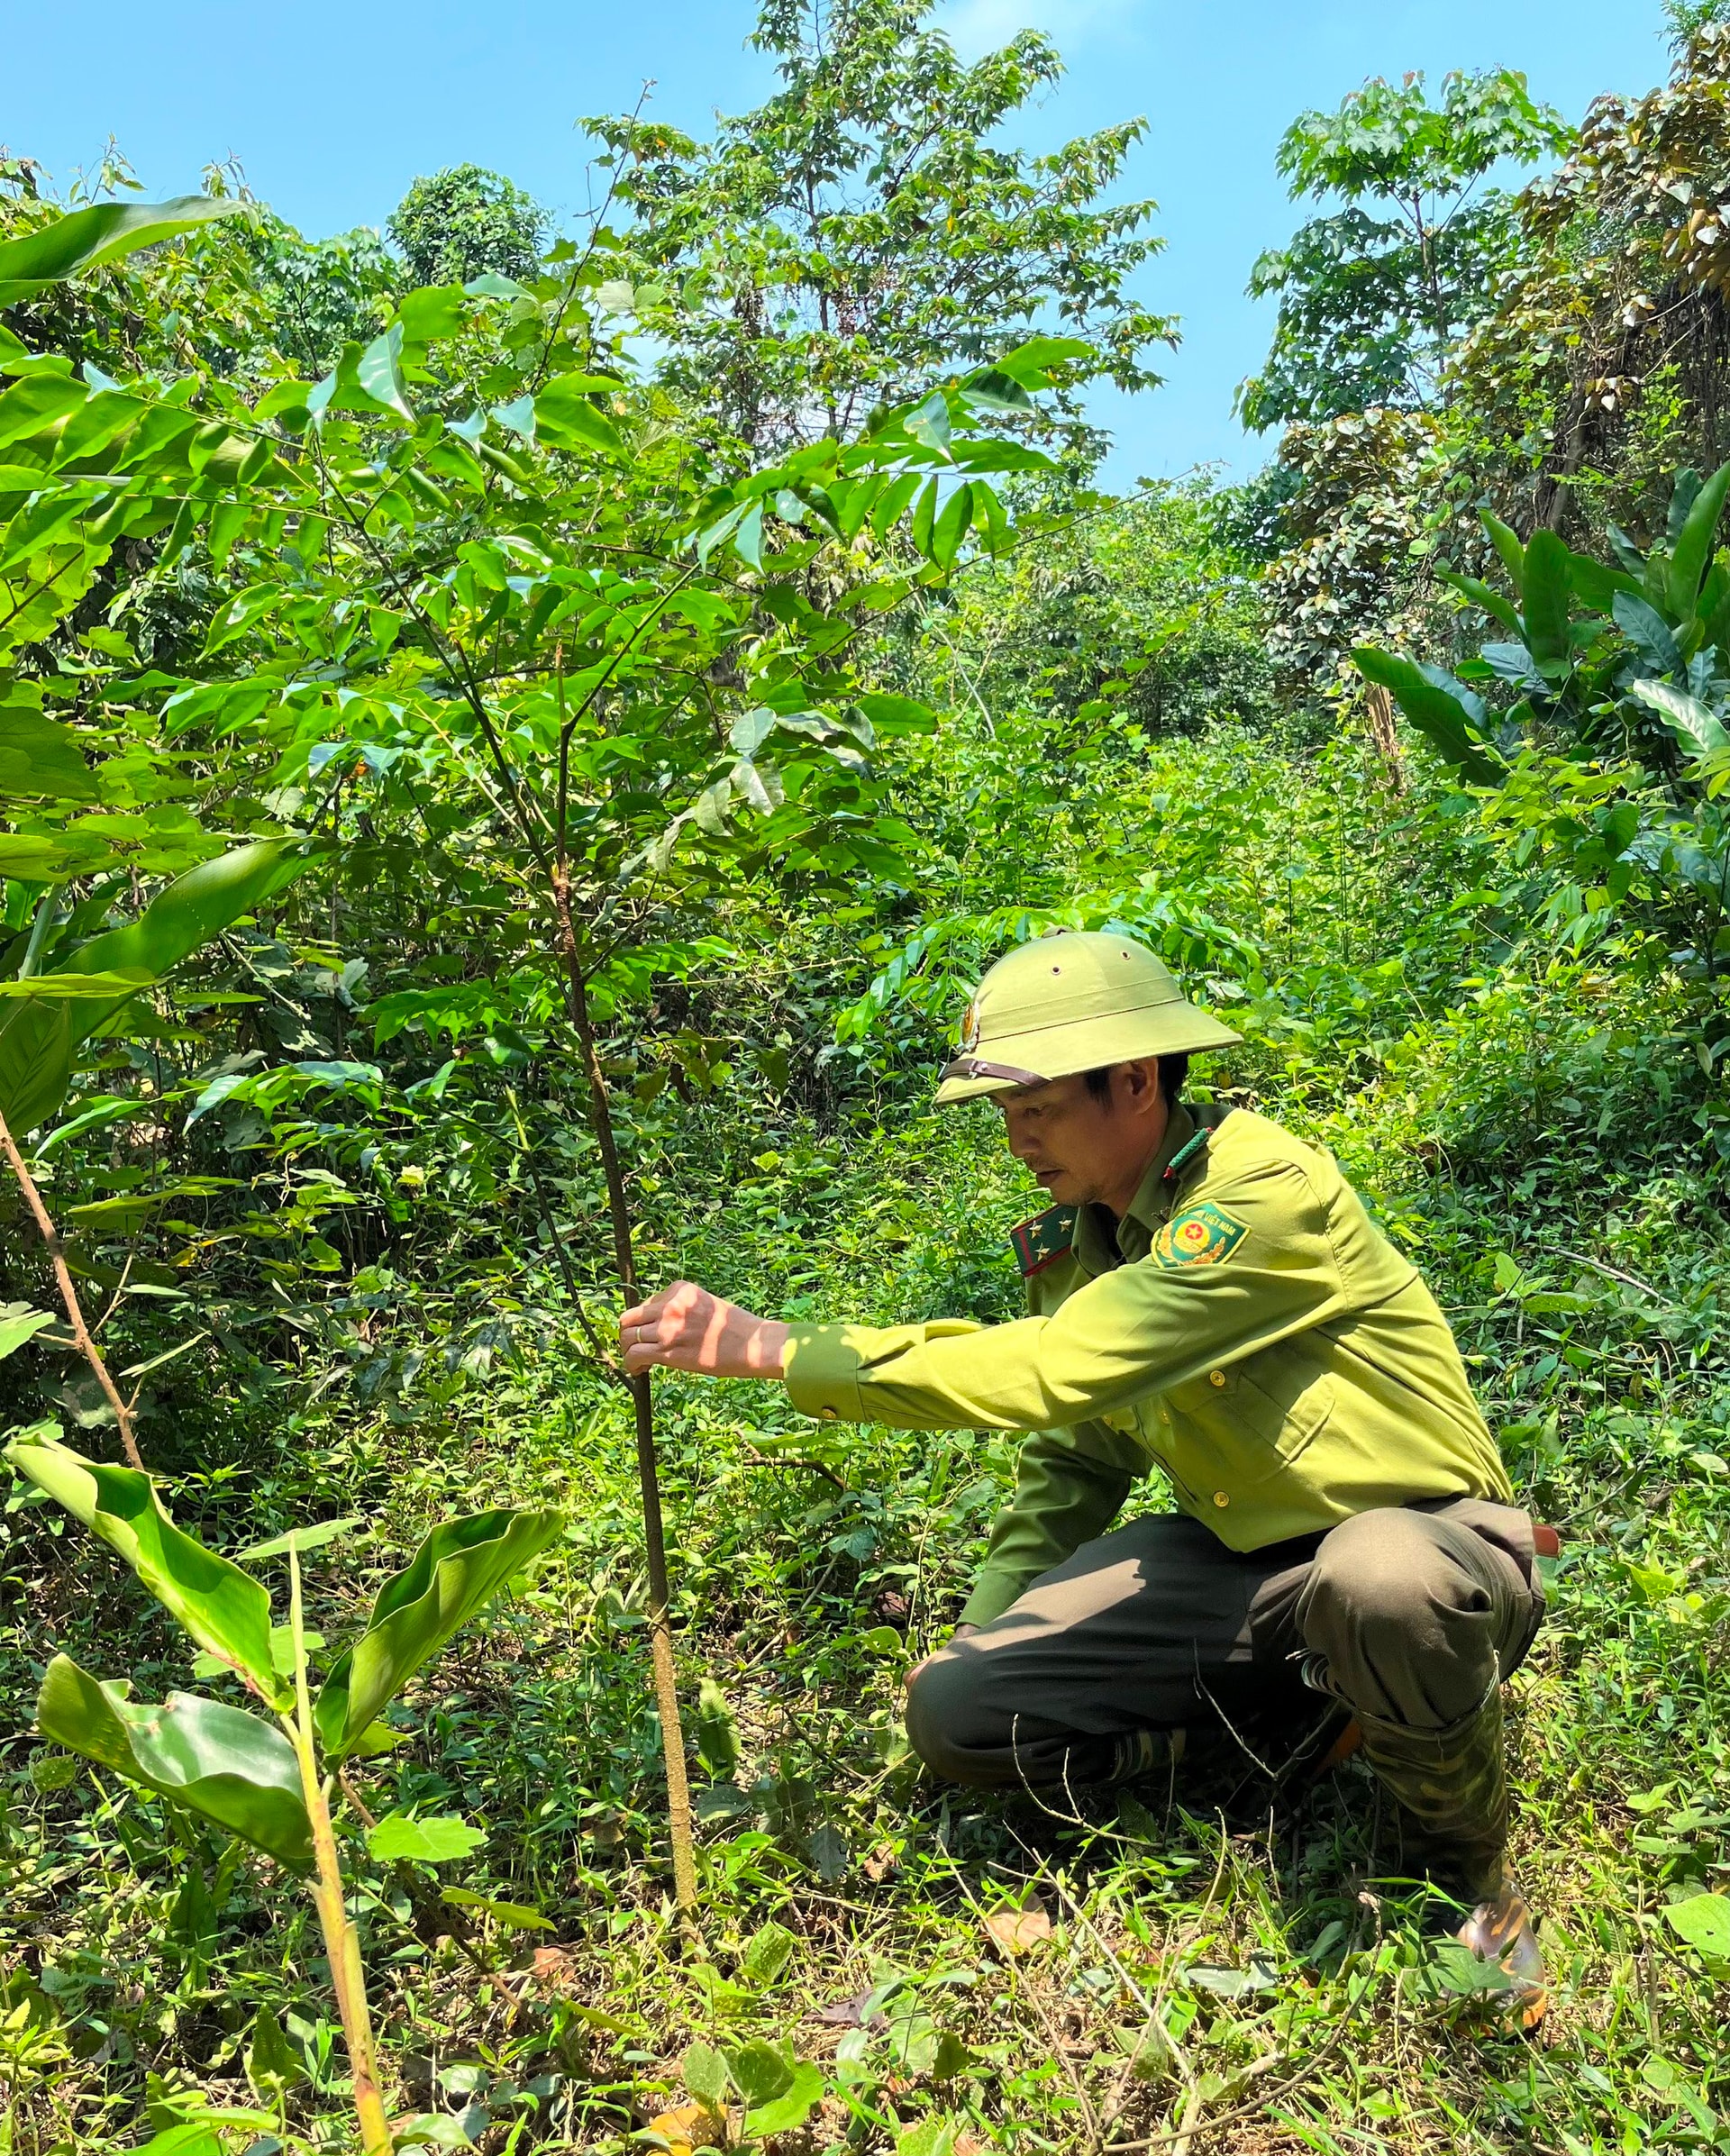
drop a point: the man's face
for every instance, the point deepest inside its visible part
(1083, 1150)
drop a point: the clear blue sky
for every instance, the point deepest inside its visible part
(334, 108)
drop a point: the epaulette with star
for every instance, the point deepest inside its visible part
(1043, 1239)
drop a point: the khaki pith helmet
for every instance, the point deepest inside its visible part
(1074, 1002)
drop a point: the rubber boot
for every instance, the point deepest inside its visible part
(1451, 1788)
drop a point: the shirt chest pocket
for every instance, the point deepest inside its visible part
(1264, 1409)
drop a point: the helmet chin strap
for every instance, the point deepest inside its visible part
(975, 1067)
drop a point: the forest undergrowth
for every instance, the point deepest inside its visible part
(1209, 1962)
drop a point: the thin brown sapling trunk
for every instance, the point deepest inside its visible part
(660, 1629)
(81, 1338)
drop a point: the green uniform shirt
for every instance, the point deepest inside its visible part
(1247, 1329)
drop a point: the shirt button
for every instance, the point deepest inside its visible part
(1215, 1377)
(1220, 1498)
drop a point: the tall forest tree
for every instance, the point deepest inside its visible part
(1374, 299)
(1601, 368)
(869, 226)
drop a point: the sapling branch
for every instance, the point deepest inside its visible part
(81, 1336)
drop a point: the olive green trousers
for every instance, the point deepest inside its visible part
(1410, 1615)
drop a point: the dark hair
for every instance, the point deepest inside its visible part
(1174, 1070)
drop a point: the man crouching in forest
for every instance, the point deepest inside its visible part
(1208, 1296)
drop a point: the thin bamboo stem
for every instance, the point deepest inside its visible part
(342, 1941)
(56, 1250)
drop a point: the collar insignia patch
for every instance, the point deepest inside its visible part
(1203, 1234)
(1043, 1239)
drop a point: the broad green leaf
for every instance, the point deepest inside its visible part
(1505, 542)
(1595, 583)
(282, 1653)
(1492, 602)
(1457, 1969)
(49, 519)
(929, 422)
(41, 756)
(228, 1766)
(196, 2137)
(36, 1055)
(38, 1041)
(951, 526)
(767, 1954)
(35, 857)
(432, 311)
(1646, 629)
(298, 1539)
(32, 405)
(376, 1739)
(748, 733)
(1704, 1921)
(993, 390)
(1443, 710)
(515, 1916)
(933, 2136)
(398, 1838)
(565, 419)
(225, 1610)
(18, 1323)
(1698, 730)
(1030, 363)
(1544, 594)
(759, 2071)
(704, 2072)
(457, 1570)
(891, 502)
(1693, 545)
(238, 615)
(75, 988)
(717, 1733)
(925, 518)
(102, 233)
(380, 372)
(896, 714)
(194, 908)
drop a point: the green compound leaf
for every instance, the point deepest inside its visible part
(225, 1764)
(457, 1570)
(225, 1610)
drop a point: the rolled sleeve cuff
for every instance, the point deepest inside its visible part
(822, 1369)
(993, 1592)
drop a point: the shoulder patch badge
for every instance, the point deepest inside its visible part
(1043, 1239)
(1204, 1235)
